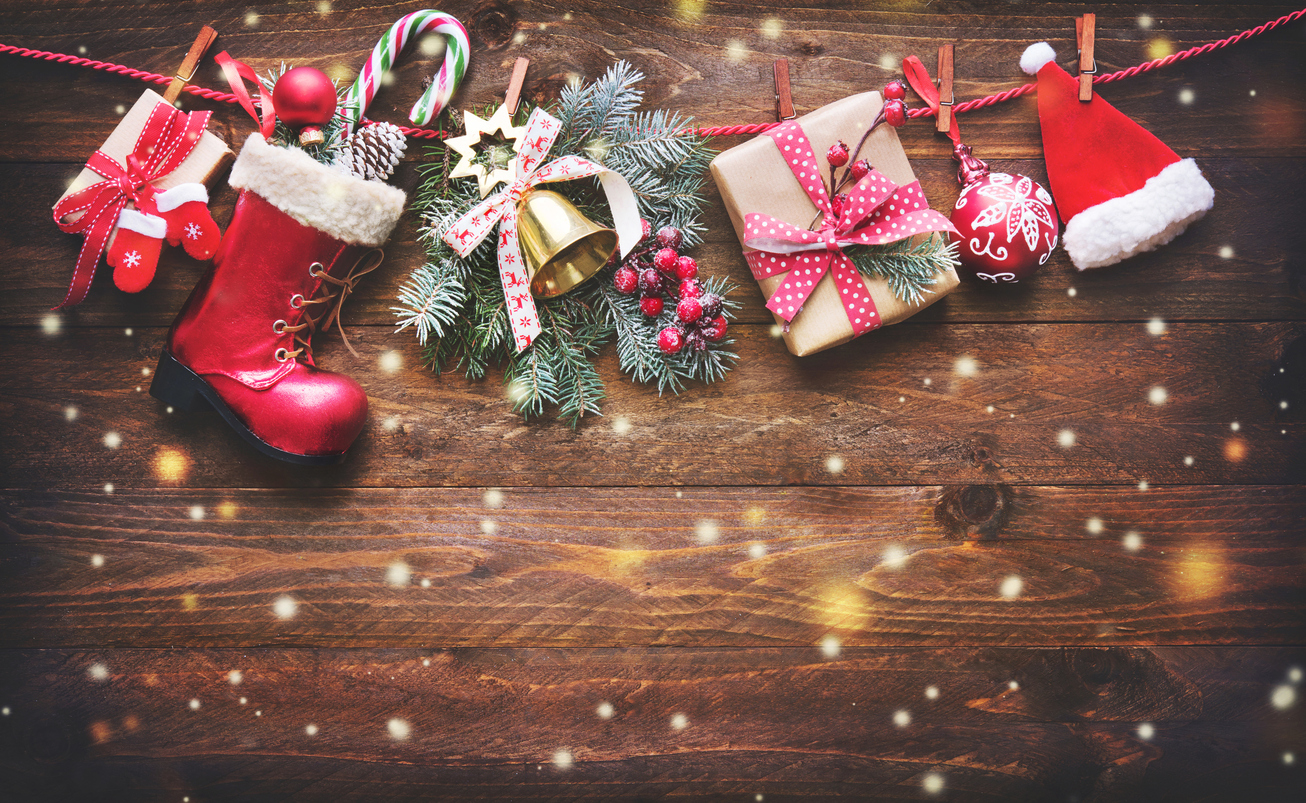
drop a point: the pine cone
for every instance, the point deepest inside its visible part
(373, 152)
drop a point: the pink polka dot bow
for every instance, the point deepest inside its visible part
(876, 212)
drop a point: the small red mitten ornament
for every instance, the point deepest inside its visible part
(134, 252)
(185, 208)
(1007, 225)
(305, 100)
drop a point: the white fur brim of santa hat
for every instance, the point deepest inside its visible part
(1120, 190)
(348, 208)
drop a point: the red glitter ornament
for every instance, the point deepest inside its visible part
(1007, 224)
(305, 100)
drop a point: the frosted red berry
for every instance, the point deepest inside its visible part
(690, 288)
(686, 268)
(670, 237)
(715, 329)
(895, 113)
(894, 90)
(671, 340)
(860, 168)
(837, 203)
(665, 260)
(651, 306)
(645, 229)
(837, 156)
(712, 305)
(625, 280)
(650, 282)
(689, 310)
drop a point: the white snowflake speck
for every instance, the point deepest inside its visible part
(258, 713)
(1142, 485)
(562, 758)
(902, 399)
(1072, 292)
(1283, 405)
(390, 423)
(1187, 96)
(1013, 685)
(932, 783)
(931, 692)
(492, 498)
(4, 712)
(1283, 697)
(127, 331)
(1094, 526)
(1226, 252)
(1235, 426)
(902, 717)
(1295, 675)
(1146, 731)
(426, 582)
(1132, 542)
(989, 409)
(679, 722)
(757, 550)
(194, 704)
(398, 575)
(112, 440)
(1157, 395)
(1066, 438)
(1188, 461)
(621, 425)
(310, 729)
(70, 413)
(890, 62)
(927, 381)
(1011, 587)
(1144, 22)
(244, 700)
(895, 557)
(235, 677)
(390, 361)
(831, 648)
(834, 464)
(966, 366)
(97, 672)
(251, 19)
(399, 729)
(771, 28)
(736, 51)
(707, 532)
(1288, 757)
(97, 561)
(605, 710)
(1156, 327)
(51, 324)
(196, 512)
(285, 607)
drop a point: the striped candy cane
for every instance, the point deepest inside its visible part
(387, 51)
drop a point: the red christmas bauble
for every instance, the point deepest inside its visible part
(1007, 225)
(304, 98)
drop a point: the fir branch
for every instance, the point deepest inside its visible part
(910, 268)
(333, 132)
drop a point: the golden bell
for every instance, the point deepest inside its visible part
(561, 246)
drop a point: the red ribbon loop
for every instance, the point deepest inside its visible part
(169, 136)
(919, 78)
(237, 73)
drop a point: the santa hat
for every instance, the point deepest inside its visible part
(1120, 190)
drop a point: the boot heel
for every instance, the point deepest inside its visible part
(177, 386)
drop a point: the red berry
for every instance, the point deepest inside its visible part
(686, 268)
(895, 113)
(715, 329)
(690, 288)
(894, 90)
(670, 237)
(837, 156)
(689, 310)
(650, 282)
(671, 340)
(646, 229)
(860, 168)
(665, 260)
(837, 202)
(625, 280)
(651, 306)
(712, 305)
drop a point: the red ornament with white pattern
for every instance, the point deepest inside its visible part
(1006, 224)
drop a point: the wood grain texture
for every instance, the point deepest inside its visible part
(698, 724)
(657, 567)
(892, 407)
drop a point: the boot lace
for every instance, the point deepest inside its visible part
(330, 290)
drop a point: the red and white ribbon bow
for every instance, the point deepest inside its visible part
(167, 139)
(469, 230)
(876, 212)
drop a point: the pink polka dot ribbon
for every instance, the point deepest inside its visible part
(876, 212)
(469, 230)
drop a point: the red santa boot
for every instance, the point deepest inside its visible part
(133, 250)
(300, 234)
(186, 209)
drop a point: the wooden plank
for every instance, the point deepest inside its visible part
(657, 567)
(685, 51)
(909, 404)
(530, 724)
(1243, 262)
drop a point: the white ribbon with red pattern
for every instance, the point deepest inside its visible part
(469, 230)
(884, 212)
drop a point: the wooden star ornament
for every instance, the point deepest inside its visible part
(486, 177)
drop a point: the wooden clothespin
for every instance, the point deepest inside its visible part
(187, 69)
(513, 99)
(1084, 33)
(784, 99)
(944, 122)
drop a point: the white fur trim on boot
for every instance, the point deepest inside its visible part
(151, 226)
(169, 200)
(348, 208)
(1035, 56)
(1142, 220)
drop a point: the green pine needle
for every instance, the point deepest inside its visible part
(910, 268)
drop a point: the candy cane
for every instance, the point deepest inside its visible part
(387, 51)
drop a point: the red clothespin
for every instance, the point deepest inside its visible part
(1084, 32)
(187, 69)
(513, 99)
(784, 99)
(943, 123)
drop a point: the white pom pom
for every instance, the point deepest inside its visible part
(1035, 56)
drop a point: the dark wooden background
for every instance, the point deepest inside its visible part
(686, 598)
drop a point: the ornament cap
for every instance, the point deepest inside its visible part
(311, 135)
(969, 168)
